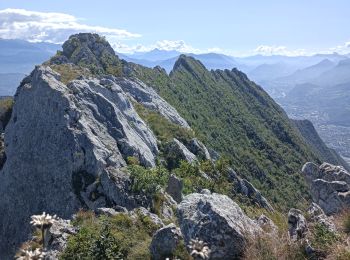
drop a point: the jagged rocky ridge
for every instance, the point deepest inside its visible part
(70, 148)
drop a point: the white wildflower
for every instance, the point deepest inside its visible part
(37, 254)
(43, 221)
(199, 249)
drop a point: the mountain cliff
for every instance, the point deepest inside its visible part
(311, 136)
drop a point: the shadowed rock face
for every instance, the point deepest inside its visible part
(59, 140)
(329, 186)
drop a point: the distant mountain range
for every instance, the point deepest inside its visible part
(308, 87)
(17, 58)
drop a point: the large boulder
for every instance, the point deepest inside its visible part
(218, 222)
(329, 186)
(165, 242)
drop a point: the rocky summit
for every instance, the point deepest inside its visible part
(106, 159)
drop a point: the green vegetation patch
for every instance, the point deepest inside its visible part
(103, 237)
(6, 105)
(69, 72)
(148, 180)
(162, 127)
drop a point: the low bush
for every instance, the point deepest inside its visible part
(104, 237)
(148, 181)
(162, 127)
(322, 238)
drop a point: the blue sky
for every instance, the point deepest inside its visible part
(233, 27)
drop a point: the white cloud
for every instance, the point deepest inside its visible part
(278, 50)
(50, 27)
(342, 49)
(166, 45)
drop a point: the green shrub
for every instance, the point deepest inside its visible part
(104, 237)
(323, 238)
(162, 127)
(6, 105)
(204, 175)
(132, 160)
(148, 181)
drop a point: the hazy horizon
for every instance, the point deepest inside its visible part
(291, 28)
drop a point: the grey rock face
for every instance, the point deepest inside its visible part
(218, 221)
(266, 224)
(165, 242)
(246, 188)
(198, 148)
(57, 237)
(329, 186)
(177, 151)
(174, 188)
(297, 225)
(107, 211)
(62, 143)
(317, 215)
(147, 96)
(143, 212)
(114, 188)
(166, 208)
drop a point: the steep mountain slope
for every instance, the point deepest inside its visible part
(237, 118)
(311, 136)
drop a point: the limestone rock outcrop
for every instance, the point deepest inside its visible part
(56, 238)
(317, 215)
(175, 187)
(329, 186)
(65, 145)
(176, 151)
(244, 187)
(198, 148)
(217, 221)
(149, 98)
(297, 225)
